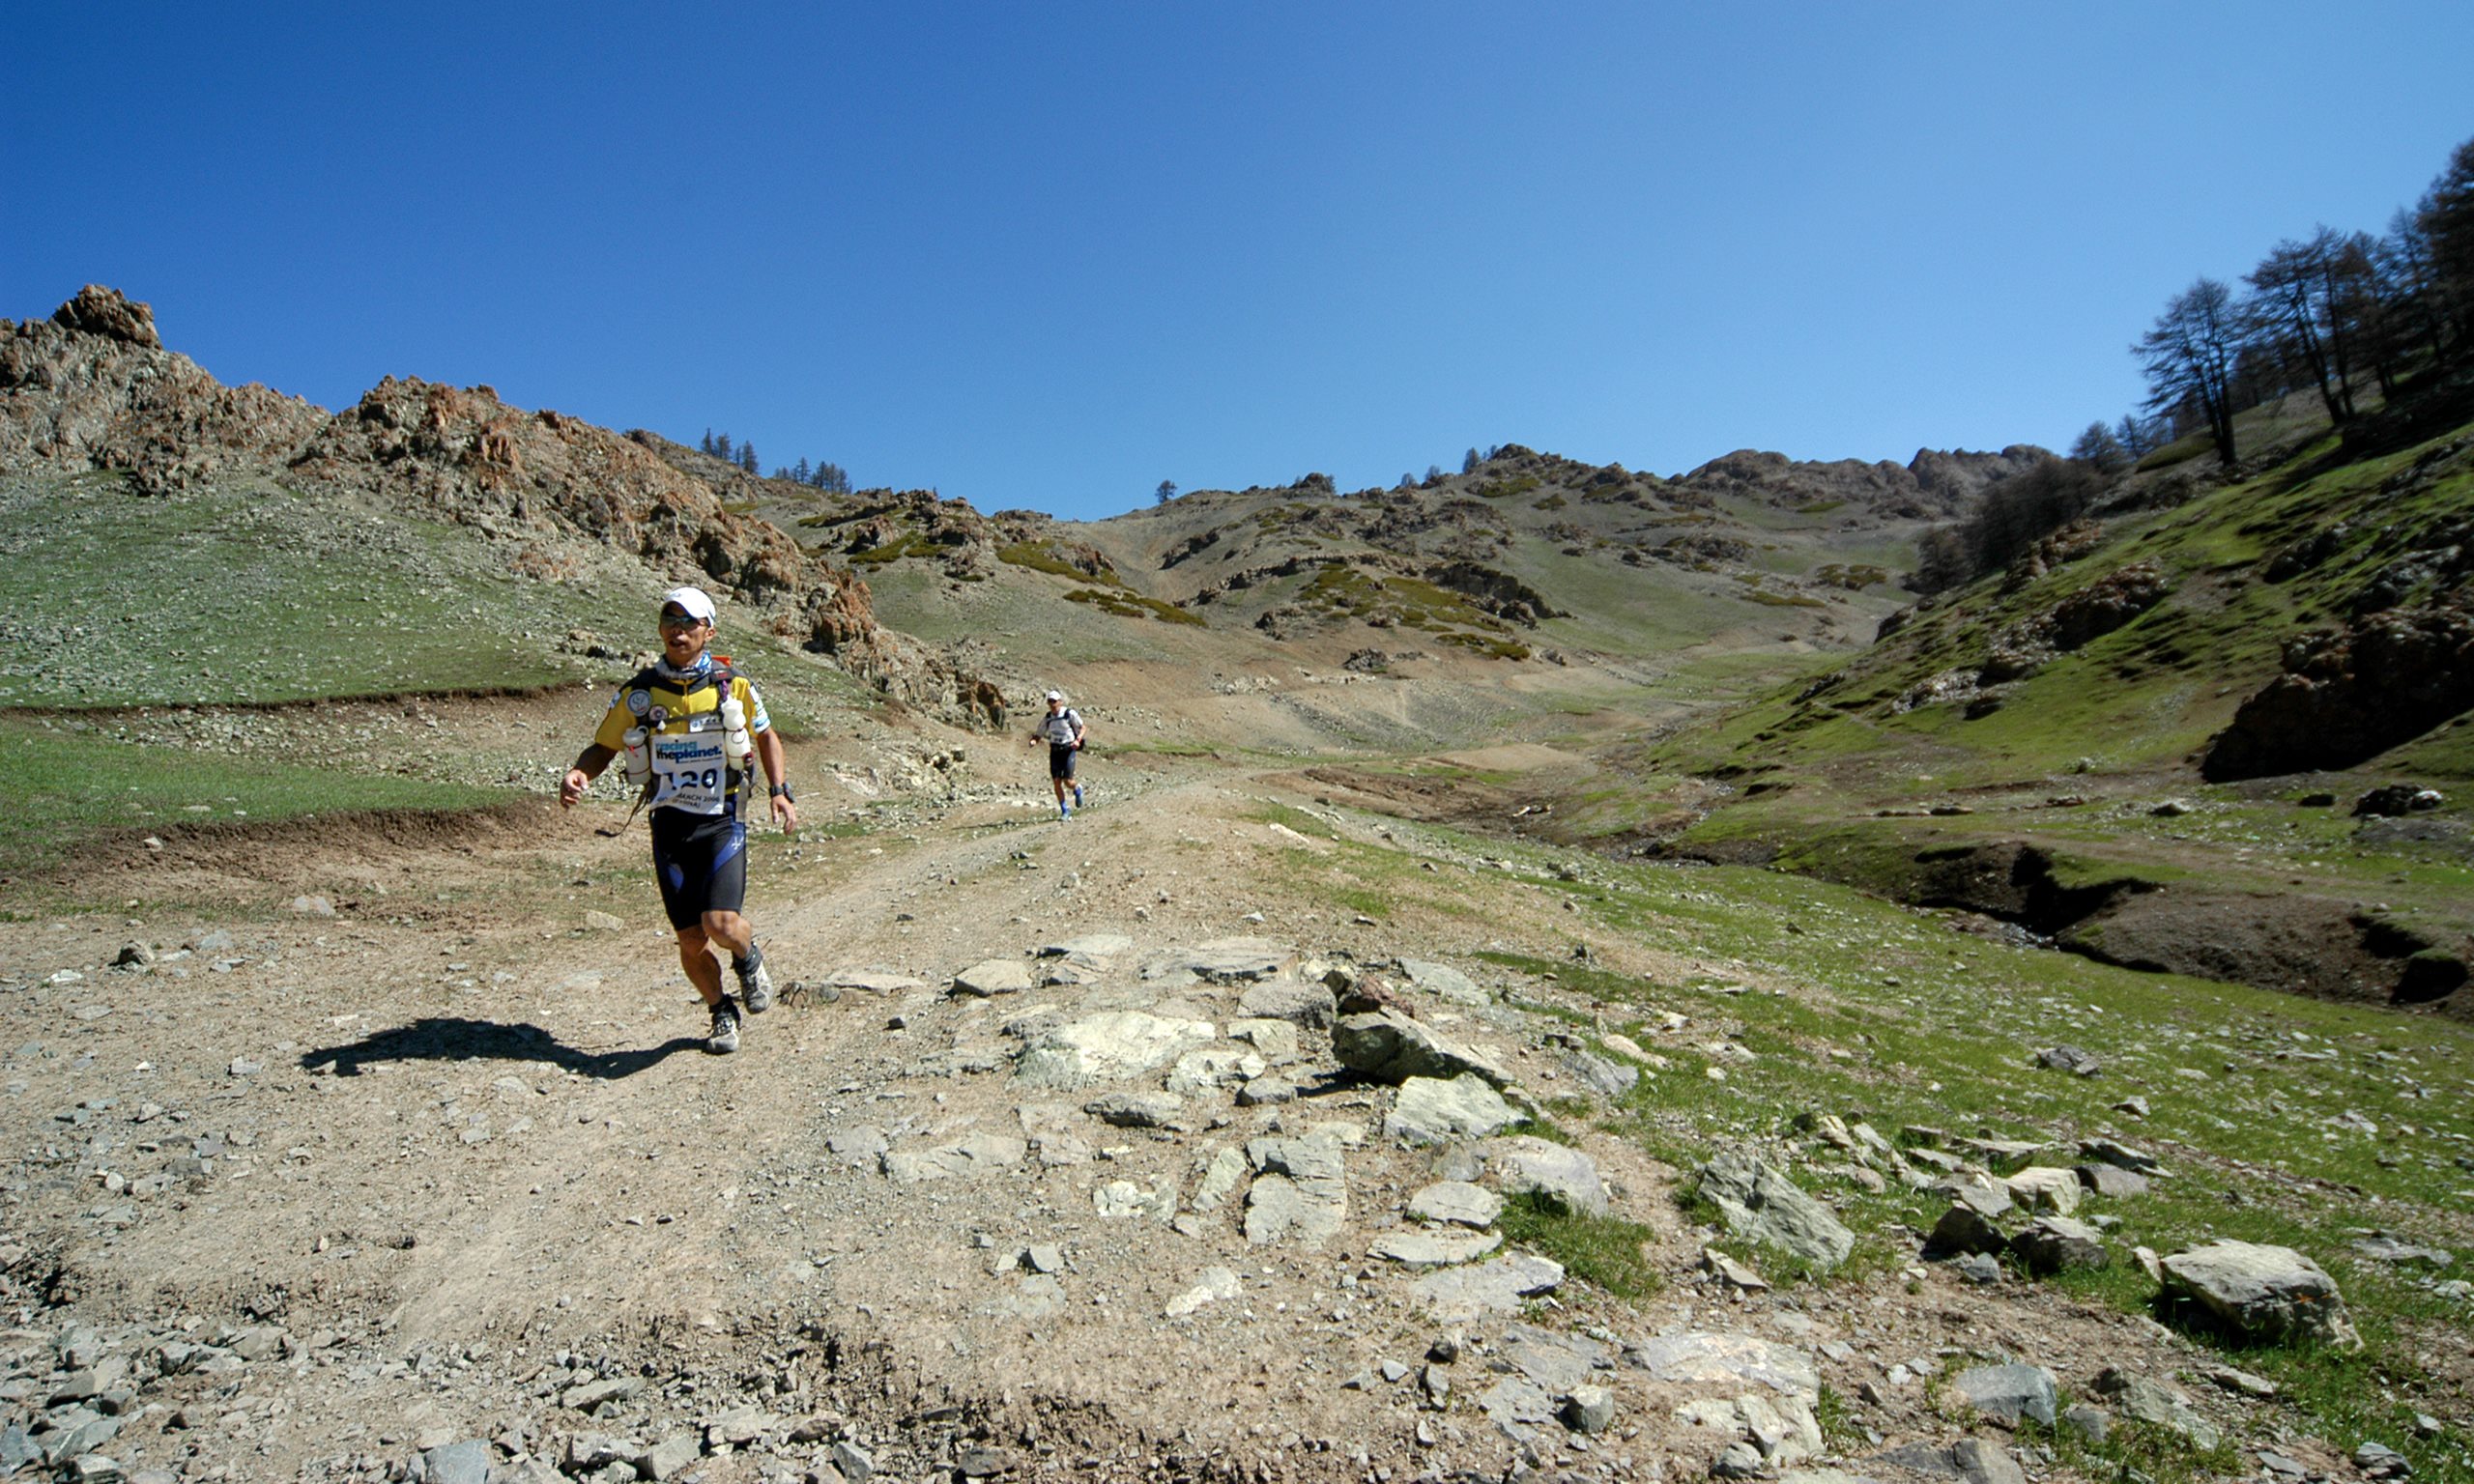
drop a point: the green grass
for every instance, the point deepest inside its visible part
(1134, 605)
(251, 593)
(1602, 1250)
(72, 786)
(1852, 1006)
(1043, 557)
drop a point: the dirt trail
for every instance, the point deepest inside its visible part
(471, 1162)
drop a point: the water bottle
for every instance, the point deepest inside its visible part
(640, 760)
(734, 742)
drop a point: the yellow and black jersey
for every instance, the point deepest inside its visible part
(681, 715)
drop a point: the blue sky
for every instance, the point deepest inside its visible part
(1047, 256)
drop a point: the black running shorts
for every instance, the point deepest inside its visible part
(700, 861)
(1060, 760)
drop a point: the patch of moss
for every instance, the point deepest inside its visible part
(1133, 604)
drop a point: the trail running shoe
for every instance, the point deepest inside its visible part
(1064, 812)
(1077, 795)
(755, 986)
(725, 1037)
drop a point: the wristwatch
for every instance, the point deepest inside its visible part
(783, 792)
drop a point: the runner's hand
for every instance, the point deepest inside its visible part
(571, 788)
(785, 813)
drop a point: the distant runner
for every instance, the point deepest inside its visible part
(1062, 731)
(691, 728)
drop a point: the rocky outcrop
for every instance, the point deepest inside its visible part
(1934, 484)
(2349, 694)
(2092, 612)
(1499, 594)
(92, 389)
(108, 312)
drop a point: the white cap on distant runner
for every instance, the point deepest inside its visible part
(1056, 695)
(690, 601)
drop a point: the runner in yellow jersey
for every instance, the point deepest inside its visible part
(692, 730)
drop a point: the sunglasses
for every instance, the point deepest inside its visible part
(671, 621)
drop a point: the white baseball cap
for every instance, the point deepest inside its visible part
(1056, 695)
(690, 601)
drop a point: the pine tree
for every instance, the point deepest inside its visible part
(747, 456)
(722, 447)
(707, 445)
(799, 471)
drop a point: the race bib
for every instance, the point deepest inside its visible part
(690, 773)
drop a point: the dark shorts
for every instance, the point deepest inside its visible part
(700, 861)
(1060, 760)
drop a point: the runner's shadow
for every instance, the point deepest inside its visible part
(453, 1039)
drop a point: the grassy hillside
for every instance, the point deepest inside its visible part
(2066, 704)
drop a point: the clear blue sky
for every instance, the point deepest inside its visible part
(1048, 255)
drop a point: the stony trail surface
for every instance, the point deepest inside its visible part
(317, 1192)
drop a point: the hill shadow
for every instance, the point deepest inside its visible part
(454, 1039)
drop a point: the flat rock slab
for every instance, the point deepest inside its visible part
(1434, 1249)
(1280, 1209)
(978, 1154)
(1302, 1193)
(875, 981)
(1224, 961)
(1201, 1073)
(2153, 1402)
(1524, 1162)
(1518, 1406)
(1758, 1202)
(1978, 1192)
(1716, 1359)
(1212, 1285)
(1457, 1202)
(1442, 980)
(1608, 1079)
(1496, 1287)
(2046, 1188)
(1276, 1039)
(2261, 1292)
(1559, 1362)
(1096, 947)
(2005, 1394)
(2000, 1152)
(1300, 1002)
(993, 977)
(1138, 1110)
(2112, 1181)
(1431, 1111)
(1107, 1047)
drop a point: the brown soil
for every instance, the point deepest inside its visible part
(465, 1135)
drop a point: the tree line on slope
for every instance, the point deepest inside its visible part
(2336, 312)
(2342, 313)
(832, 478)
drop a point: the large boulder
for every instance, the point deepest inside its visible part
(1758, 1202)
(2261, 1292)
(1389, 1047)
